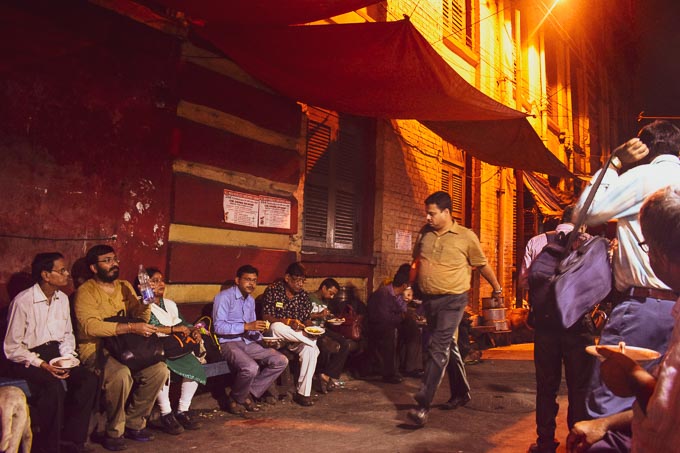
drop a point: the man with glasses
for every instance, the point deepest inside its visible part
(288, 308)
(38, 331)
(255, 368)
(101, 297)
(642, 316)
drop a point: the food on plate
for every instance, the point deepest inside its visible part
(64, 362)
(314, 330)
(336, 321)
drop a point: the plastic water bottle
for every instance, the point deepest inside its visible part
(145, 286)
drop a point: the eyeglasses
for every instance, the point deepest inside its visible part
(644, 246)
(109, 260)
(157, 281)
(298, 280)
(249, 280)
(62, 271)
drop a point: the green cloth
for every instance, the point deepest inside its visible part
(186, 366)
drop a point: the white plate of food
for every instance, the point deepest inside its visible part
(335, 321)
(635, 353)
(315, 330)
(65, 362)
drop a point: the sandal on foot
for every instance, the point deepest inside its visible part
(250, 405)
(235, 408)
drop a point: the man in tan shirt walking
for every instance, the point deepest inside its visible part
(445, 253)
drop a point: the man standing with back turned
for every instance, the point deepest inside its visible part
(444, 253)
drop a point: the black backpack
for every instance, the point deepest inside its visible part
(543, 312)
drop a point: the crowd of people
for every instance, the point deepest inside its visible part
(618, 406)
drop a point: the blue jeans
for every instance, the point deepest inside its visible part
(444, 314)
(639, 321)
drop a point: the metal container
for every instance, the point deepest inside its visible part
(501, 325)
(490, 302)
(492, 315)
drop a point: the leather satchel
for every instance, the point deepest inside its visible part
(134, 351)
(582, 280)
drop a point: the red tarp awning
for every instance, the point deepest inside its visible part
(549, 202)
(263, 12)
(385, 70)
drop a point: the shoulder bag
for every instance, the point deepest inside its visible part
(134, 351)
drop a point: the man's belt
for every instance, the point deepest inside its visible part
(654, 293)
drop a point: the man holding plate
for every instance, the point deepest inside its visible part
(288, 308)
(41, 346)
(653, 419)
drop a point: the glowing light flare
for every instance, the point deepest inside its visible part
(545, 16)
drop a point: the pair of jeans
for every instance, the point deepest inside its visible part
(444, 313)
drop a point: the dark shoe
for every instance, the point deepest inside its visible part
(140, 435)
(114, 443)
(394, 379)
(548, 447)
(250, 405)
(455, 403)
(418, 415)
(303, 400)
(186, 421)
(170, 424)
(331, 385)
(415, 373)
(320, 385)
(235, 408)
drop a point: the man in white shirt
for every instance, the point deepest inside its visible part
(642, 316)
(654, 416)
(39, 330)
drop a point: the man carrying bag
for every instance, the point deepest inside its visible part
(99, 298)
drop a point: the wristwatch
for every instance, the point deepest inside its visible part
(616, 163)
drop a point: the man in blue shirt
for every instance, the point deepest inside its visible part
(255, 367)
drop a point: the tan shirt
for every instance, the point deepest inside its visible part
(444, 259)
(93, 305)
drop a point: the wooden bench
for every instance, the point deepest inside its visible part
(22, 384)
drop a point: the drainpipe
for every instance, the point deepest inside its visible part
(500, 261)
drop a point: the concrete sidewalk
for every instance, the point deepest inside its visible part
(369, 415)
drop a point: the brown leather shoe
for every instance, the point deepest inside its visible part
(303, 400)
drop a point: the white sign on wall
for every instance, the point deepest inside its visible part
(256, 210)
(402, 240)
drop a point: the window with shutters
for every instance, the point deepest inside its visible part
(453, 183)
(334, 180)
(457, 21)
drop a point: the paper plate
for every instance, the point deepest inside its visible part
(315, 330)
(635, 353)
(65, 362)
(335, 321)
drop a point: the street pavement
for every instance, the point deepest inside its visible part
(370, 416)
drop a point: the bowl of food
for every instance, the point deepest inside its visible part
(64, 362)
(636, 353)
(314, 331)
(336, 321)
(272, 342)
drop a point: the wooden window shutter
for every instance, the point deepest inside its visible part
(453, 183)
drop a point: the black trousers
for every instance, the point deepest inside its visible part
(383, 347)
(333, 363)
(552, 349)
(51, 404)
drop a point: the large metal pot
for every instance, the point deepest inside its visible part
(491, 302)
(493, 315)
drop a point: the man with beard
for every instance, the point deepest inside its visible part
(99, 298)
(288, 308)
(255, 367)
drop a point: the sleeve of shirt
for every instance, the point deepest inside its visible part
(89, 316)
(526, 263)
(269, 304)
(14, 346)
(614, 198)
(476, 256)
(68, 345)
(224, 315)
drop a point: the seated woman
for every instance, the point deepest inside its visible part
(165, 315)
